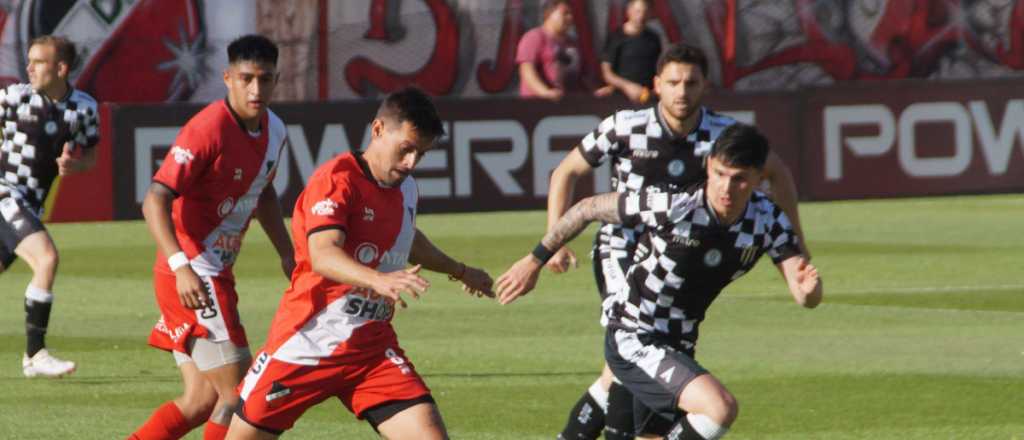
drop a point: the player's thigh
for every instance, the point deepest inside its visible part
(222, 363)
(23, 234)
(274, 394)
(419, 421)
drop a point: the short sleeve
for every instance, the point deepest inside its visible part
(186, 161)
(529, 48)
(87, 124)
(784, 243)
(326, 203)
(651, 209)
(610, 53)
(601, 143)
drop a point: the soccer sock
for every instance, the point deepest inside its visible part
(619, 424)
(37, 316)
(586, 420)
(696, 427)
(214, 431)
(167, 422)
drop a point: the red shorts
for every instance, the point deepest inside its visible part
(276, 393)
(218, 322)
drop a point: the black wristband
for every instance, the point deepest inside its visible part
(542, 253)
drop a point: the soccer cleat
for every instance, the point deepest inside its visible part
(44, 364)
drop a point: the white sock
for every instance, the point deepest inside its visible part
(599, 394)
(38, 295)
(706, 427)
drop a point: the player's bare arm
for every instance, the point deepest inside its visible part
(328, 258)
(784, 194)
(70, 163)
(156, 208)
(520, 279)
(475, 281)
(560, 193)
(803, 280)
(268, 212)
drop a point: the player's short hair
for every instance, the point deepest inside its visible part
(742, 146)
(549, 6)
(412, 105)
(254, 48)
(64, 48)
(684, 53)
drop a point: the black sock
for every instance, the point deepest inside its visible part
(37, 317)
(619, 424)
(682, 430)
(586, 420)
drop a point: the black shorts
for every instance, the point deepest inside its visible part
(655, 373)
(17, 221)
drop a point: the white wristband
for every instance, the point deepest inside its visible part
(177, 261)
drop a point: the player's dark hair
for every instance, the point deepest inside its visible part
(742, 146)
(254, 48)
(549, 6)
(684, 53)
(65, 48)
(412, 105)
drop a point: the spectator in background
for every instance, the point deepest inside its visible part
(631, 54)
(549, 60)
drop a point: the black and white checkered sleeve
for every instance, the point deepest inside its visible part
(784, 241)
(651, 209)
(83, 122)
(598, 145)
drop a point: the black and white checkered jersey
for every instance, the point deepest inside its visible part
(687, 257)
(647, 156)
(34, 130)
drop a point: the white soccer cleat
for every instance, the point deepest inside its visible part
(44, 364)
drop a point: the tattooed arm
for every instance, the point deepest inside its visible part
(520, 279)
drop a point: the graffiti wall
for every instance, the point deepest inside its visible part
(173, 50)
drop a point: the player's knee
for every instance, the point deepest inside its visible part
(196, 407)
(724, 409)
(48, 259)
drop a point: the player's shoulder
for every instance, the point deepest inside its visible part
(715, 121)
(764, 206)
(626, 119)
(82, 100)
(15, 92)
(339, 171)
(274, 122)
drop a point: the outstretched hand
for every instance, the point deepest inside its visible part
(562, 261)
(393, 284)
(807, 278)
(477, 282)
(518, 280)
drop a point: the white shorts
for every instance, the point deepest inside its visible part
(208, 354)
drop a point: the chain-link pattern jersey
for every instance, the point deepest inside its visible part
(35, 129)
(646, 156)
(687, 257)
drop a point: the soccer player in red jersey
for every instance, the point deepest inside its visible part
(354, 232)
(215, 178)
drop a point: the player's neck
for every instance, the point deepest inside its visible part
(680, 127)
(56, 91)
(630, 28)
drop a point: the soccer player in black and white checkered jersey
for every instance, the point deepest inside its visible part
(48, 129)
(653, 149)
(697, 242)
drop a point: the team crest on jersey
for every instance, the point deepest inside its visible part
(676, 168)
(713, 258)
(225, 207)
(182, 155)
(366, 253)
(324, 207)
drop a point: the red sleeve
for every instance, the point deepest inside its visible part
(528, 50)
(186, 161)
(327, 202)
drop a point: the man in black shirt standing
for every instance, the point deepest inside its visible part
(697, 241)
(631, 55)
(48, 129)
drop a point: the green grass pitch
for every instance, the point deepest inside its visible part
(921, 335)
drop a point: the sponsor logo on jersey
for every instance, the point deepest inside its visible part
(713, 258)
(324, 207)
(685, 241)
(645, 154)
(225, 207)
(176, 334)
(181, 154)
(366, 253)
(368, 213)
(277, 391)
(365, 303)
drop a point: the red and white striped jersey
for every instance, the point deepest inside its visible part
(218, 169)
(322, 321)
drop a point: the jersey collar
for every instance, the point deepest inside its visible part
(672, 135)
(238, 119)
(714, 216)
